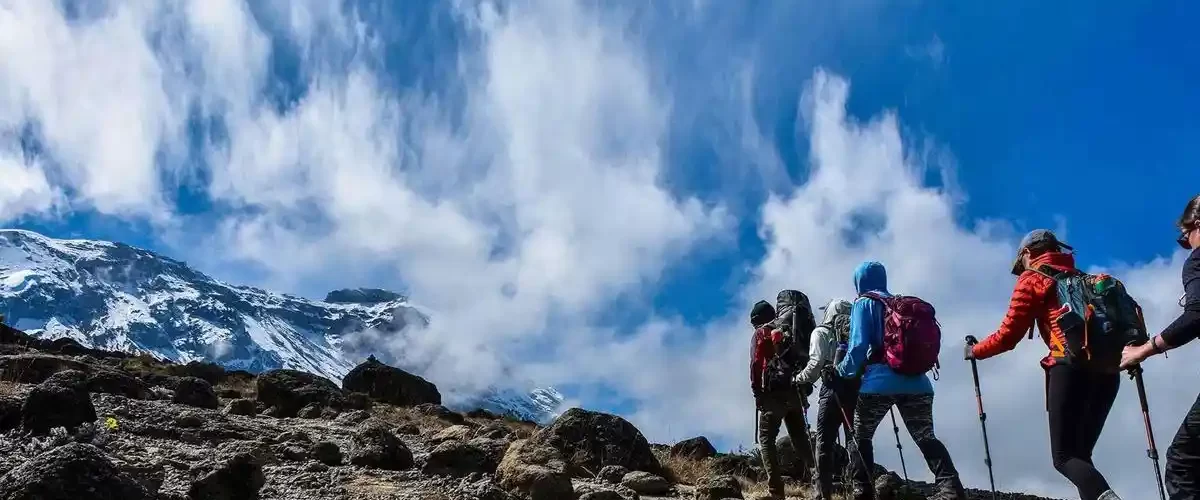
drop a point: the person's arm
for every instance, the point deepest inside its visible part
(860, 339)
(819, 351)
(1022, 311)
(758, 360)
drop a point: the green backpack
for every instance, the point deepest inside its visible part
(1097, 316)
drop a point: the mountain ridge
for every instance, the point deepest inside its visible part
(114, 296)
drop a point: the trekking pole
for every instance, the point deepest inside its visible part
(987, 453)
(852, 437)
(900, 449)
(1136, 374)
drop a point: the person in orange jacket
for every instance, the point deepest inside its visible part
(1078, 399)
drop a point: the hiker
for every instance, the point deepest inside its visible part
(1183, 456)
(883, 386)
(838, 395)
(773, 364)
(1078, 396)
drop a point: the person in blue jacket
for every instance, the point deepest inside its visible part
(882, 387)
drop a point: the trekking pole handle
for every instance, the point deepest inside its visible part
(971, 340)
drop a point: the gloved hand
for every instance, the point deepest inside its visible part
(827, 374)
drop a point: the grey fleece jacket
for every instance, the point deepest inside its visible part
(823, 344)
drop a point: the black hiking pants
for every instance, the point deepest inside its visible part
(917, 412)
(830, 417)
(1183, 458)
(783, 409)
(1078, 401)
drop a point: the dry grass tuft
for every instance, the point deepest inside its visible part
(245, 386)
(682, 470)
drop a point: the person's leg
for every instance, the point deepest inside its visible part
(868, 413)
(769, 419)
(794, 419)
(1102, 393)
(917, 412)
(1183, 458)
(1066, 401)
(829, 420)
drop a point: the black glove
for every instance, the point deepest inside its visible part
(827, 374)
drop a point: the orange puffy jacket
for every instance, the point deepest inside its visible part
(1033, 300)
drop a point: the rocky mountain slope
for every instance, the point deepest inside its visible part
(117, 297)
(77, 422)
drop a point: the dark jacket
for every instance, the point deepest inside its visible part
(1186, 327)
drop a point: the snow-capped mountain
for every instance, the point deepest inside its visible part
(117, 297)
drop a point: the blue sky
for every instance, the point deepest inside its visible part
(602, 190)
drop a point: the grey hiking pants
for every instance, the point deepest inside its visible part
(835, 411)
(785, 408)
(917, 412)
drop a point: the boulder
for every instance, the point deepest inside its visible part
(454, 432)
(735, 465)
(10, 412)
(288, 391)
(697, 447)
(195, 392)
(62, 402)
(790, 462)
(35, 368)
(718, 488)
(311, 411)
(457, 459)
(482, 414)
(390, 384)
(612, 474)
(645, 483)
(237, 478)
(439, 411)
(241, 407)
(494, 430)
(208, 372)
(327, 453)
(374, 445)
(113, 382)
(591, 440)
(534, 471)
(74, 471)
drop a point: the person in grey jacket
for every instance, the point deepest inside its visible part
(823, 348)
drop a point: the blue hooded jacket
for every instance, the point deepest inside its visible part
(866, 336)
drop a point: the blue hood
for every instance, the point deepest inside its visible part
(870, 277)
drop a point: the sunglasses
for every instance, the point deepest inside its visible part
(1183, 239)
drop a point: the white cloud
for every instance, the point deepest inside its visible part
(524, 196)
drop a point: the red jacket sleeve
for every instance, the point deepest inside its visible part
(760, 350)
(1028, 300)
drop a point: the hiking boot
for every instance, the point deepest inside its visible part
(1108, 495)
(949, 489)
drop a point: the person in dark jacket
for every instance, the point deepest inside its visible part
(1183, 456)
(777, 406)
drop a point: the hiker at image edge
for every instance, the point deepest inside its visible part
(778, 352)
(894, 341)
(1183, 456)
(1082, 368)
(838, 395)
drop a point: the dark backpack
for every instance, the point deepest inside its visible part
(783, 365)
(1097, 317)
(912, 337)
(841, 334)
(796, 319)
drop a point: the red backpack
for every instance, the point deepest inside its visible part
(912, 337)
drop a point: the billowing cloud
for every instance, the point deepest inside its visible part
(521, 186)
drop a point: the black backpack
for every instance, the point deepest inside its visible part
(795, 323)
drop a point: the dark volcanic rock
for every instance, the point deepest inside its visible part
(196, 392)
(390, 385)
(327, 453)
(241, 407)
(63, 402)
(735, 465)
(697, 447)
(288, 391)
(208, 372)
(238, 478)
(374, 445)
(113, 382)
(10, 412)
(612, 474)
(646, 483)
(457, 459)
(361, 296)
(591, 440)
(75, 471)
(439, 411)
(35, 368)
(718, 488)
